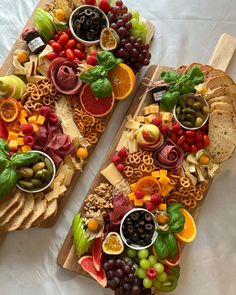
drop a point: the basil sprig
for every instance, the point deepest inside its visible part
(179, 85)
(8, 166)
(98, 76)
(166, 244)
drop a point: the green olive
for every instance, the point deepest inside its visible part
(191, 118)
(206, 110)
(26, 184)
(38, 166)
(47, 175)
(181, 103)
(36, 182)
(199, 121)
(26, 172)
(187, 124)
(49, 165)
(178, 110)
(38, 174)
(185, 100)
(190, 101)
(189, 111)
(197, 105)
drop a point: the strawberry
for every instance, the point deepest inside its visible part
(90, 2)
(115, 159)
(151, 273)
(149, 206)
(26, 128)
(147, 136)
(91, 60)
(157, 121)
(45, 111)
(104, 5)
(139, 194)
(156, 199)
(29, 140)
(123, 153)
(120, 167)
(176, 127)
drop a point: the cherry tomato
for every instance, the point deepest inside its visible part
(204, 127)
(56, 47)
(56, 37)
(71, 44)
(80, 46)
(174, 137)
(180, 132)
(70, 54)
(186, 147)
(62, 53)
(206, 140)
(60, 33)
(193, 149)
(93, 53)
(189, 133)
(181, 140)
(63, 39)
(198, 136)
(52, 55)
(78, 54)
(199, 145)
(68, 31)
(51, 41)
(176, 127)
(190, 140)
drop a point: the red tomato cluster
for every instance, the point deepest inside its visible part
(64, 45)
(190, 140)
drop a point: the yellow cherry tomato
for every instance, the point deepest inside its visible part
(22, 56)
(60, 15)
(82, 153)
(93, 224)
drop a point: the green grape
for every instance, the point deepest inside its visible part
(141, 273)
(156, 284)
(147, 283)
(152, 259)
(159, 268)
(136, 269)
(143, 254)
(131, 253)
(144, 264)
(141, 26)
(134, 22)
(143, 37)
(162, 277)
(136, 15)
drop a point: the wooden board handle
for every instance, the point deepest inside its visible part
(223, 52)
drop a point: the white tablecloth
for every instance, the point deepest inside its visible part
(187, 31)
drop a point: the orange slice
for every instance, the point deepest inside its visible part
(123, 81)
(188, 234)
(148, 185)
(9, 109)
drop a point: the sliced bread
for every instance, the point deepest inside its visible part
(211, 73)
(222, 106)
(221, 91)
(9, 203)
(219, 82)
(226, 99)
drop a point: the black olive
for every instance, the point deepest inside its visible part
(141, 243)
(140, 230)
(142, 236)
(88, 22)
(88, 12)
(141, 223)
(135, 237)
(82, 19)
(129, 242)
(148, 227)
(127, 220)
(147, 217)
(134, 216)
(148, 240)
(130, 229)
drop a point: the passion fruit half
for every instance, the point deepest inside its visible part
(113, 244)
(109, 39)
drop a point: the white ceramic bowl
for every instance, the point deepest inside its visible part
(192, 128)
(74, 13)
(133, 246)
(46, 186)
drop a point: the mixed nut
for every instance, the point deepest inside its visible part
(191, 111)
(36, 176)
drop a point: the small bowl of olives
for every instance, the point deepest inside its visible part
(138, 229)
(36, 177)
(191, 111)
(86, 23)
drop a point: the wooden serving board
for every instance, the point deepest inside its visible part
(67, 256)
(8, 69)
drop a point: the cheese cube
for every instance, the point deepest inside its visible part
(12, 135)
(163, 173)
(167, 117)
(164, 180)
(138, 202)
(156, 174)
(146, 198)
(40, 120)
(32, 120)
(23, 114)
(162, 207)
(23, 121)
(26, 148)
(140, 119)
(20, 141)
(13, 145)
(16, 127)
(149, 118)
(35, 127)
(132, 186)
(131, 196)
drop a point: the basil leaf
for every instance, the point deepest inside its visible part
(4, 146)
(107, 60)
(3, 162)
(8, 180)
(161, 248)
(196, 75)
(93, 74)
(169, 100)
(177, 219)
(24, 159)
(171, 244)
(170, 77)
(187, 87)
(173, 207)
(101, 88)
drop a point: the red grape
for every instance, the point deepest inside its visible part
(121, 31)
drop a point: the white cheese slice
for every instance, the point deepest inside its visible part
(192, 168)
(69, 127)
(185, 166)
(63, 189)
(68, 177)
(191, 158)
(131, 124)
(200, 176)
(122, 141)
(112, 174)
(59, 178)
(191, 177)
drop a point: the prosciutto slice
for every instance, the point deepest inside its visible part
(63, 75)
(121, 205)
(169, 156)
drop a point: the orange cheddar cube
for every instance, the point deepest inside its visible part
(156, 174)
(12, 135)
(40, 120)
(164, 180)
(146, 198)
(16, 127)
(26, 148)
(138, 202)
(163, 173)
(35, 127)
(162, 207)
(23, 121)
(32, 120)
(13, 145)
(23, 114)
(131, 196)
(21, 134)
(20, 141)
(132, 186)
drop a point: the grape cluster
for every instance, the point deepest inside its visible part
(134, 53)
(121, 277)
(119, 19)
